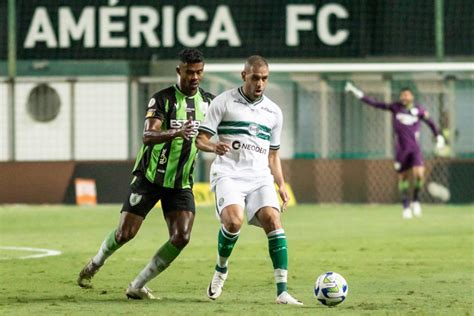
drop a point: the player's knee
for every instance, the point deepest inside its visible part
(123, 236)
(180, 240)
(273, 224)
(233, 225)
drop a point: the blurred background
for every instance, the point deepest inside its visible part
(76, 77)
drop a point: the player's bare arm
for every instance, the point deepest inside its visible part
(154, 135)
(274, 163)
(204, 143)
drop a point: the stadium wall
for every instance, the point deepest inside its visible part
(313, 181)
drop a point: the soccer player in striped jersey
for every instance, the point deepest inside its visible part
(163, 171)
(248, 126)
(407, 115)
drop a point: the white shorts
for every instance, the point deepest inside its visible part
(250, 195)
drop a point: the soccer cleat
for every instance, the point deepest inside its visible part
(214, 290)
(85, 276)
(416, 209)
(143, 293)
(286, 298)
(407, 214)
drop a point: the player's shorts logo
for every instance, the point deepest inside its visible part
(221, 201)
(236, 145)
(135, 199)
(253, 129)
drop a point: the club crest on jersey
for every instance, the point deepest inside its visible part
(204, 106)
(253, 129)
(406, 119)
(414, 111)
(135, 199)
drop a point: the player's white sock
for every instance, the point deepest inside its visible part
(160, 261)
(225, 244)
(416, 206)
(107, 248)
(407, 213)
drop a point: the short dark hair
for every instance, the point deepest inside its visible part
(191, 56)
(406, 89)
(256, 60)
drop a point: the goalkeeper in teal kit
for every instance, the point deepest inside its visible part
(406, 118)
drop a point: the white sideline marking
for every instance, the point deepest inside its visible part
(44, 252)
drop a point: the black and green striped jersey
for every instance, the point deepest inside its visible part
(171, 164)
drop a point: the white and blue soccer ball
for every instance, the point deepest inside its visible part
(330, 289)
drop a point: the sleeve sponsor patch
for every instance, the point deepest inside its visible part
(150, 113)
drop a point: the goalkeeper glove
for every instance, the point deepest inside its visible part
(354, 90)
(440, 142)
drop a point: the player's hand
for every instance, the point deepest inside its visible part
(221, 148)
(440, 142)
(285, 198)
(350, 88)
(188, 130)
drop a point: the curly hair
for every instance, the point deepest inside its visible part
(191, 56)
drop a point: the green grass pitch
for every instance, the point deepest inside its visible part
(422, 266)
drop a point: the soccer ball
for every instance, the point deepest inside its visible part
(330, 289)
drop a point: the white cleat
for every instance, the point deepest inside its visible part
(416, 209)
(85, 276)
(214, 290)
(286, 298)
(407, 214)
(143, 293)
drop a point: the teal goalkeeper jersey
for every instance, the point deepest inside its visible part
(171, 164)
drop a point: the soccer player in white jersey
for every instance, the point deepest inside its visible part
(248, 126)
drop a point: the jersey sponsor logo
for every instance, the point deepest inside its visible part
(236, 145)
(406, 119)
(134, 199)
(151, 103)
(180, 123)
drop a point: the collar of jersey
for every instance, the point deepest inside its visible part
(187, 96)
(257, 101)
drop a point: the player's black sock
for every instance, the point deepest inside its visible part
(418, 186)
(403, 186)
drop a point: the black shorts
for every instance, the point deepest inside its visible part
(143, 195)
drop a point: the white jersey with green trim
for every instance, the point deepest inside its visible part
(250, 128)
